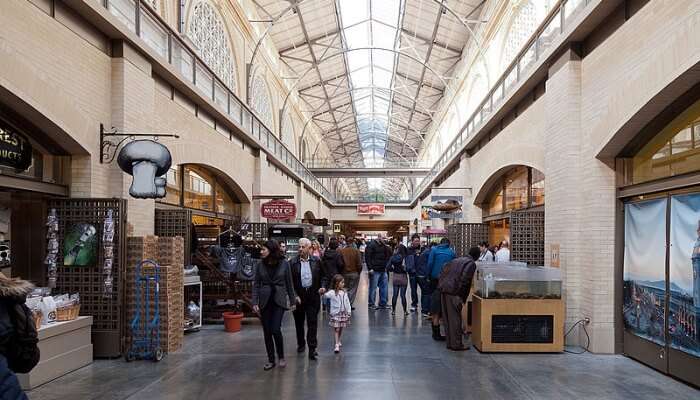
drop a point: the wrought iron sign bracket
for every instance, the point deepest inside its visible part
(109, 146)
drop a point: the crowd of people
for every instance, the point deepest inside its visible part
(327, 278)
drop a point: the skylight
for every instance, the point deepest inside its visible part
(372, 27)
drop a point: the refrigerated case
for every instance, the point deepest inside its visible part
(290, 234)
(661, 282)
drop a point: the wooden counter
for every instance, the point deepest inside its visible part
(485, 309)
(65, 347)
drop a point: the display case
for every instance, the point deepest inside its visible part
(517, 281)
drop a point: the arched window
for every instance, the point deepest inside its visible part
(287, 136)
(260, 101)
(523, 26)
(304, 151)
(207, 32)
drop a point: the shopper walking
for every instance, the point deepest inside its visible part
(332, 260)
(340, 309)
(352, 259)
(423, 279)
(309, 282)
(316, 249)
(410, 262)
(377, 256)
(19, 352)
(485, 253)
(273, 294)
(454, 284)
(503, 254)
(438, 258)
(399, 279)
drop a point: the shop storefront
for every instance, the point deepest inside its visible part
(514, 211)
(660, 195)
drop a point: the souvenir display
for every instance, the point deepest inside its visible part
(52, 247)
(108, 253)
(80, 247)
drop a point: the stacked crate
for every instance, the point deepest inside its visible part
(169, 253)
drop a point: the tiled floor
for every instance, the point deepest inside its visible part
(384, 358)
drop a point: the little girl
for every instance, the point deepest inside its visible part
(340, 309)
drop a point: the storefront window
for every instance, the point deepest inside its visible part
(537, 188)
(172, 193)
(198, 189)
(673, 151)
(224, 202)
(496, 202)
(517, 189)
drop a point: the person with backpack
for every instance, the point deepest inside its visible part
(439, 257)
(410, 262)
(19, 351)
(332, 263)
(454, 284)
(399, 278)
(423, 279)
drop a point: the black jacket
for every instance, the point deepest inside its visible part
(332, 263)
(273, 280)
(377, 256)
(318, 279)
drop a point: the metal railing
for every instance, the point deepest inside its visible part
(333, 163)
(533, 51)
(140, 19)
(373, 199)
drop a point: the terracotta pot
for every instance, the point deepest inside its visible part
(232, 321)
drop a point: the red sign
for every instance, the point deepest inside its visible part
(370, 209)
(278, 209)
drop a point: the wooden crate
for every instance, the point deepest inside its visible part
(484, 310)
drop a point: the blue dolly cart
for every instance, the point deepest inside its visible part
(145, 327)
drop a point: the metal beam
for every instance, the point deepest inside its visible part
(348, 172)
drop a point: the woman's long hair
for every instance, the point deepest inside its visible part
(275, 256)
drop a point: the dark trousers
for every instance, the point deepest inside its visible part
(452, 318)
(425, 293)
(271, 317)
(398, 290)
(307, 312)
(352, 281)
(413, 281)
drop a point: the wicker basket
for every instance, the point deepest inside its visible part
(37, 318)
(67, 313)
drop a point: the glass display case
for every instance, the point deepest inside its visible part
(517, 281)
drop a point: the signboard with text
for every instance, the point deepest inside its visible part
(15, 149)
(370, 209)
(278, 210)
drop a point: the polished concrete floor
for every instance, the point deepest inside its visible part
(384, 358)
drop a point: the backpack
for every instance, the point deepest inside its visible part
(21, 349)
(450, 281)
(410, 263)
(396, 264)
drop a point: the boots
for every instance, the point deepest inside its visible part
(436, 334)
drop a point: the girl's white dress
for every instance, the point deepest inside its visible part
(340, 308)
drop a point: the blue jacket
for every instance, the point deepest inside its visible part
(439, 256)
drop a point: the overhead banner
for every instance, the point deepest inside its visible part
(15, 149)
(370, 209)
(446, 207)
(278, 210)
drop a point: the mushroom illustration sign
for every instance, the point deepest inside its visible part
(146, 161)
(446, 207)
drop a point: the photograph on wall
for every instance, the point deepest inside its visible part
(446, 207)
(425, 213)
(644, 287)
(80, 245)
(684, 262)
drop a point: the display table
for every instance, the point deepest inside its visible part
(65, 347)
(518, 325)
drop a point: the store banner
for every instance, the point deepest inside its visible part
(278, 210)
(370, 209)
(644, 288)
(446, 207)
(684, 260)
(15, 149)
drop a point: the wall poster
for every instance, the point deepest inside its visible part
(684, 262)
(644, 267)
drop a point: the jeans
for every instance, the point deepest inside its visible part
(413, 281)
(378, 279)
(402, 291)
(425, 293)
(271, 317)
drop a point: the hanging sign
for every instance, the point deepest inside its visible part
(15, 149)
(370, 209)
(278, 209)
(315, 221)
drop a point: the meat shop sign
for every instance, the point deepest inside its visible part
(15, 150)
(278, 209)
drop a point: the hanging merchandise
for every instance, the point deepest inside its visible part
(80, 247)
(52, 247)
(108, 252)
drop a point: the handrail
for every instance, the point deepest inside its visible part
(142, 20)
(533, 50)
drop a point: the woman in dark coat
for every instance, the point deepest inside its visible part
(273, 294)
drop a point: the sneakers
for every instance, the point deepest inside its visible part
(393, 312)
(371, 306)
(313, 354)
(301, 349)
(413, 309)
(282, 363)
(268, 366)
(337, 349)
(406, 313)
